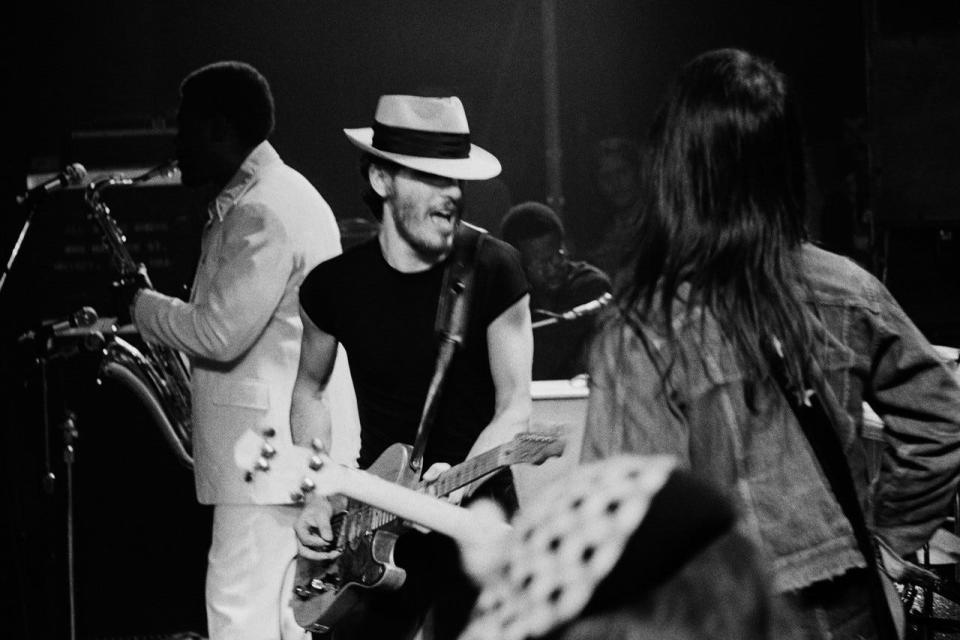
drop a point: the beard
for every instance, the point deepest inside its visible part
(424, 232)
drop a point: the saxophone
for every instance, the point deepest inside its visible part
(157, 375)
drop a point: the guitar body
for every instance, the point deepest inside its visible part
(323, 593)
(367, 532)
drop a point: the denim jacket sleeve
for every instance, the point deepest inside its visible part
(918, 399)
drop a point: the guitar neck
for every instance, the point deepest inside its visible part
(449, 481)
(468, 471)
(433, 513)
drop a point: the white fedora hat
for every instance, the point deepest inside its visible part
(426, 134)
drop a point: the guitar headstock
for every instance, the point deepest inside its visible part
(534, 447)
(324, 476)
(298, 469)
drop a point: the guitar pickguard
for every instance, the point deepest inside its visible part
(324, 595)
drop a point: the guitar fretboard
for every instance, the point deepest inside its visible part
(369, 518)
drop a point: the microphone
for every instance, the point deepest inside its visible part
(84, 317)
(587, 308)
(73, 174)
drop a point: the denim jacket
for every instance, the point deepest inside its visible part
(873, 353)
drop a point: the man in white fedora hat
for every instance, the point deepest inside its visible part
(380, 301)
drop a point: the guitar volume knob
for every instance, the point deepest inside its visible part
(302, 592)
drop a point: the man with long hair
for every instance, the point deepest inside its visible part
(723, 283)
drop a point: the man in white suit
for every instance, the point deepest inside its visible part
(268, 227)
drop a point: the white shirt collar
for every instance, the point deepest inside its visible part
(263, 155)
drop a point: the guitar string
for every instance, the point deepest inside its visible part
(477, 467)
(377, 518)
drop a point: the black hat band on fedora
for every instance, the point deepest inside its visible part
(423, 144)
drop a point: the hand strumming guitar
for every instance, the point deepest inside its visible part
(315, 537)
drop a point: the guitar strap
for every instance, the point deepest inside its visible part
(453, 313)
(818, 427)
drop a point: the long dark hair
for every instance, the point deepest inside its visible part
(723, 210)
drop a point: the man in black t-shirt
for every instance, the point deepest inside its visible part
(379, 300)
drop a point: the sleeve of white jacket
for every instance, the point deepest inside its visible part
(254, 264)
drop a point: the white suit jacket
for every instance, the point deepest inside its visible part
(241, 329)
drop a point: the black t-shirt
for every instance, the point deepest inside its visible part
(385, 320)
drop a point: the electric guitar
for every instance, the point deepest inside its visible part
(382, 500)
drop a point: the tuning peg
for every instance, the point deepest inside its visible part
(307, 485)
(317, 445)
(269, 432)
(316, 463)
(296, 497)
(248, 476)
(267, 450)
(262, 464)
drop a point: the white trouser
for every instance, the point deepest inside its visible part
(250, 573)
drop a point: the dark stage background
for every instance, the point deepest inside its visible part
(96, 83)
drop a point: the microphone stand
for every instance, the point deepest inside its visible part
(43, 346)
(16, 247)
(70, 435)
(74, 174)
(579, 311)
(553, 319)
